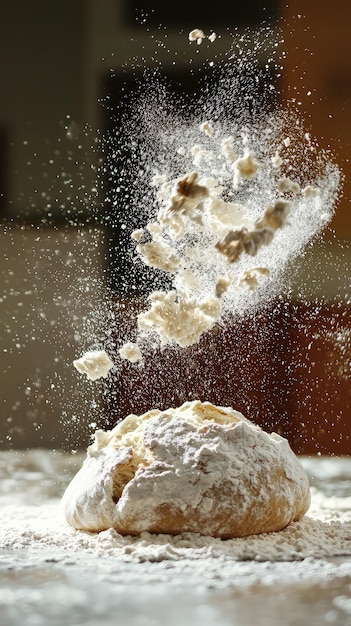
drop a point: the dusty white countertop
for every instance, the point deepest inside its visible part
(54, 575)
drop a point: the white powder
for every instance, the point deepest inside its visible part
(196, 35)
(214, 212)
(287, 185)
(179, 318)
(310, 192)
(324, 532)
(137, 234)
(95, 364)
(276, 159)
(52, 572)
(222, 285)
(209, 182)
(207, 128)
(245, 167)
(251, 277)
(158, 253)
(131, 352)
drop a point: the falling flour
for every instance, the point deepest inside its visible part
(231, 197)
(95, 364)
(225, 232)
(229, 225)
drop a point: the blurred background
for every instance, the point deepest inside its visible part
(57, 61)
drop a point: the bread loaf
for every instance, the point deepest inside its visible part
(197, 468)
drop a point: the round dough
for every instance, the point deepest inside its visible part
(198, 468)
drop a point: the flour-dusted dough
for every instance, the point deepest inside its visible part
(198, 468)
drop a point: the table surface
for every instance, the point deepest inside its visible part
(53, 575)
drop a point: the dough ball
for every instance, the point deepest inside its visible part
(198, 468)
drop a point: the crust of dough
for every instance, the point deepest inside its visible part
(198, 468)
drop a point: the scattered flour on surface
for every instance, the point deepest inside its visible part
(40, 529)
(324, 532)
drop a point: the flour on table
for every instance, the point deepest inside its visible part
(41, 530)
(297, 553)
